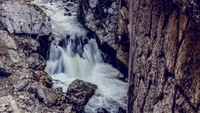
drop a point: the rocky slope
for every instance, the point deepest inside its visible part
(164, 74)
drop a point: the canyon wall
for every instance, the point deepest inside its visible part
(164, 60)
(108, 19)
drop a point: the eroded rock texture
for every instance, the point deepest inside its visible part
(164, 69)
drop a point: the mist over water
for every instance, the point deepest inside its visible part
(75, 55)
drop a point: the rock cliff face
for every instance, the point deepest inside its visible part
(164, 62)
(108, 19)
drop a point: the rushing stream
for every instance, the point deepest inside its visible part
(74, 54)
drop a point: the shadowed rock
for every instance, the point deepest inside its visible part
(3, 72)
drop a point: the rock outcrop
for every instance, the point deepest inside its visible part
(79, 93)
(164, 57)
(108, 19)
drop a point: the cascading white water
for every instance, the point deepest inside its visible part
(74, 55)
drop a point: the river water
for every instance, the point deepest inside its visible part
(74, 54)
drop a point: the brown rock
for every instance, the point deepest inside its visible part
(164, 57)
(44, 78)
(124, 13)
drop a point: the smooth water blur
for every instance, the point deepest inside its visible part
(73, 55)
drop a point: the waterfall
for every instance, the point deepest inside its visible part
(74, 54)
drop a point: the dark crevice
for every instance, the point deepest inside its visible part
(168, 74)
(148, 88)
(180, 43)
(3, 73)
(157, 99)
(168, 14)
(161, 55)
(149, 52)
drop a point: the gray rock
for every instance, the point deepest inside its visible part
(93, 3)
(21, 84)
(114, 5)
(110, 11)
(24, 18)
(114, 19)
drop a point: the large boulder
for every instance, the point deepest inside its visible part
(20, 17)
(79, 93)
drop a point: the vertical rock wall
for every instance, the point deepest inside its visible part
(164, 61)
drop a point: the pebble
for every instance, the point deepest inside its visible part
(110, 11)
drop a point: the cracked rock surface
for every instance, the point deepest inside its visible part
(21, 17)
(164, 65)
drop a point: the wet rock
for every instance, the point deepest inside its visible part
(58, 90)
(121, 110)
(24, 18)
(79, 93)
(102, 110)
